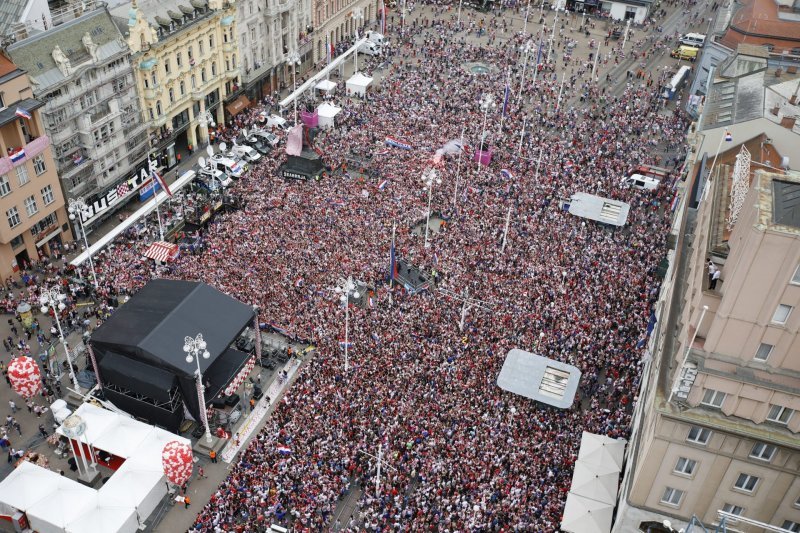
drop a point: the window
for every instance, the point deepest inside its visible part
(22, 175)
(18, 241)
(166, 65)
(685, 466)
(182, 87)
(699, 435)
(672, 496)
(211, 41)
(203, 75)
(171, 95)
(213, 68)
(38, 165)
(780, 414)
(733, 509)
(47, 195)
(30, 206)
(5, 188)
(13, 217)
(794, 527)
(2, 102)
(782, 314)
(713, 398)
(746, 482)
(762, 354)
(179, 59)
(762, 451)
(200, 47)
(159, 110)
(796, 276)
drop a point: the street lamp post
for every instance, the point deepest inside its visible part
(54, 299)
(429, 179)
(487, 104)
(196, 348)
(294, 60)
(525, 50)
(206, 119)
(77, 208)
(346, 291)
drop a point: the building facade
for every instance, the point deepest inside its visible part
(338, 20)
(716, 423)
(81, 70)
(186, 64)
(30, 194)
(272, 36)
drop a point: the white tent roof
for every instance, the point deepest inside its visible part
(584, 515)
(98, 421)
(327, 110)
(70, 500)
(123, 438)
(359, 80)
(598, 482)
(26, 485)
(601, 450)
(105, 514)
(326, 85)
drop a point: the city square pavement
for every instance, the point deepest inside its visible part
(611, 75)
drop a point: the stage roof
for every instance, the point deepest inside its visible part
(154, 322)
(539, 378)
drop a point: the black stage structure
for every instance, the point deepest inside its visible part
(139, 349)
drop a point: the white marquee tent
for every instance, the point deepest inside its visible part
(106, 514)
(327, 113)
(326, 86)
(357, 84)
(598, 482)
(67, 502)
(600, 450)
(584, 515)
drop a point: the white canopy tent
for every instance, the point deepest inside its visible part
(584, 515)
(68, 501)
(598, 482)
(326, 86)
(139, 487)
(26, 485)
(602, 450)
(327, 113)
(357, 84)
(106, 514)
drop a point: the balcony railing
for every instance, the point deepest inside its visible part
(29, 151)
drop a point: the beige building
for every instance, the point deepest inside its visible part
(186, 64)
(30, 195)
(336, 20)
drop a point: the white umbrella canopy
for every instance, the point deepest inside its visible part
(584, 515)
(598, 482)
(599, 449)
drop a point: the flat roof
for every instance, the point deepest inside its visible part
(599, 209)
(539, 378)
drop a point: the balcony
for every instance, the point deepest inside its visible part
(228, 47)
(198, 94)
(232, 73)
(29, 151)
(151, 93)
(158, 122)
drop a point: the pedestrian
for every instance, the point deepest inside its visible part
(18, 427)
(38, 411)
(714, 279)
(186, 502)
(201, 474)
(252, 404)
(13, 406)
(213, 456)
(42, 431)
(29, 405)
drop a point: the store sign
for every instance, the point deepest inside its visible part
(290, 174)
(114, 196)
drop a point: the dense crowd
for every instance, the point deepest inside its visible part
(460, 453)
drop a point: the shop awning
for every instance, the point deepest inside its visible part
(162, 251)
(238, 105)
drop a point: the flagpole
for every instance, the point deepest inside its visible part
(525, 27)
(506, 98)
(719, 147)
(539, 162)
(594, 67)
(522, 135)
(563, 79)
(153, 180)
(505, 231)
(458, 168)
(393, 253)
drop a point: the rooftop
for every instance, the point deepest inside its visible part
(779, 201)
(758, 22)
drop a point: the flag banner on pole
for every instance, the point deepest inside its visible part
(391, 141)
(327, 50)
(383, 18)
(392, 263)
(342, 344)
(24, 113)
(19, 155)
(162, 182)
(505, 98)
(506, 174)
(294, 141)
(539, 52)
(728, 136)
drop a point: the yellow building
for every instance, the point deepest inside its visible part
(186, 67)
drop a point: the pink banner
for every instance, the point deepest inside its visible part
(294, 142)
(310, 119)
(483, 157)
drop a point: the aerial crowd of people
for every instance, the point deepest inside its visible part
(458, 453)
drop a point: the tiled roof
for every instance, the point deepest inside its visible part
(757, 22)
(10, 13)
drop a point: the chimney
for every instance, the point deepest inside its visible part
(788, 122)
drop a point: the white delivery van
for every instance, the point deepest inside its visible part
(376, 38)
(639, 181)
(215, 178)
(245, 152)
(228, 166)
(696, 40)
(369, 48)
(274, 121)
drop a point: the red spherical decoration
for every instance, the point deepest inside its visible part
(178, 462)
(25, 376)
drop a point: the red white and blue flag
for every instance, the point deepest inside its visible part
(162, 182)
(383, 185)
(383, 18)
(22, 112)
(392, 263)
(19, 155)
(728, 136)
(283, 450)
(342, 344)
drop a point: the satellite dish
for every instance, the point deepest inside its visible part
(202, 161)
(210, 150)
(223, 147)
(244, 133)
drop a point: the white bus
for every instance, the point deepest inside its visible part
(676, 83)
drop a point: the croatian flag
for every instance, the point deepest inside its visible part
(19, 155)
(391, 141)
(383, 18)
(506, 174)
(728, 136)
(383, 185)
(162, 182)
(342, 344)
(539, 52)
(283, 450)
(22, 112)
(371, 299)
(392, 263)
(505, 98)
(77, 158)
(328, 54)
